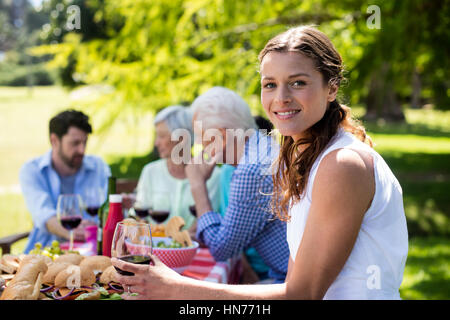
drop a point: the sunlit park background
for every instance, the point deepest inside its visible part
(121, 61)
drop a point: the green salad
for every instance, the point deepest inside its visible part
(172, 245)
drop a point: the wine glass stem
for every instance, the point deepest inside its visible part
(71, 240)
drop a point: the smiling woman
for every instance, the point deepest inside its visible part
(346, 225)
(293, 93)
(300, 76)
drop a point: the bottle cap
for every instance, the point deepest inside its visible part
(115, 198)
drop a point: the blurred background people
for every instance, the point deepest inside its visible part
(247, 221)
(65, 169)
(163, 184)
(255, 270)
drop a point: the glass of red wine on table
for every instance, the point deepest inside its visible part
(132, 242)
(69, 213)
(161, 206)
(141, 211)
(93, 198)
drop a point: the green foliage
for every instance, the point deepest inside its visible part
(418, 152)
(157, 53)
(22, 75)
(20, 24)
(130, 167)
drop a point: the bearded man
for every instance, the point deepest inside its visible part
(65, 169)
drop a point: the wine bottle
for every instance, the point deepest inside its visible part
(103, 214)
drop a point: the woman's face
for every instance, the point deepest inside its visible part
(293, 92)
(163, 142)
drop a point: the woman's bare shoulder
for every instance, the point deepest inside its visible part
(345, 175)
(347, 161)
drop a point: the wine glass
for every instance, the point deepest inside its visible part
(161, 206)
(141, 210)
(132, 242)
(93, 198)
(68, 211)
(193, 210)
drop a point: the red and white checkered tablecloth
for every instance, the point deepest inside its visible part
(204, 267)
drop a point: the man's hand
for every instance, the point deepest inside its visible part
(55, 227)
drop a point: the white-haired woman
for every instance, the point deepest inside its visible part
(166, 177)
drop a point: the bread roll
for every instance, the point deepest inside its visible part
(96, 263)
(72, 258)
(9, 263)
(108, 275)
(75, 277)
(53, 270)
(27, 282)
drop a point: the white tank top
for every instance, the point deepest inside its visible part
(374, 269)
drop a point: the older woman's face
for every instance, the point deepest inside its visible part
(163, 141)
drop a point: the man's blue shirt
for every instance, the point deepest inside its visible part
(41, 186)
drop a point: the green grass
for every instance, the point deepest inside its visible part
(427, 272)
(418, 152)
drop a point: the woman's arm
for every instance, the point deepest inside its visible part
(160, 282)
(343, 190)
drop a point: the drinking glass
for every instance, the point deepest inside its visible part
(193, 210)
(69, 213)
(93, 198)
(161, 206)
(141, 210)
(132, 242)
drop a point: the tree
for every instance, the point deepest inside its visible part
(157, 53)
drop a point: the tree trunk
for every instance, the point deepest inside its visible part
(416, 88)
(381, 100)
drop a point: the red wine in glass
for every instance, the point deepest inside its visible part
(141, 212)
(92, 211)
(132, 242)
(133, 259)
(69, 213)
(70, 222)
(159, 215)
(192, 210)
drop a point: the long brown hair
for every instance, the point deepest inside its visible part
(293, 167)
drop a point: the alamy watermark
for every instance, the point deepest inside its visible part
(374, 20)
(374, 279)
(71, 15)
(74, 279)
(225, 146)
(73, 18)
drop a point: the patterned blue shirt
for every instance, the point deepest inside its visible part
(41, 186)
(248, 221)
